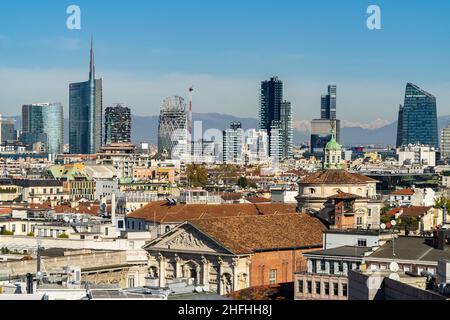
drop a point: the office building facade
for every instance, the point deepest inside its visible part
(117, 124)
(7, 130)
(321, 133)
(233, 141)
(85, 118)
(417, 118)
(276, 113)
(174, 139)
(329, 104)
(445, 142)
(43, 123)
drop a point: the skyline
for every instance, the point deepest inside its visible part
(142, 63)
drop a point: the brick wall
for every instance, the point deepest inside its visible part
(286, 263)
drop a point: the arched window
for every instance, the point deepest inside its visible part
(167, 229)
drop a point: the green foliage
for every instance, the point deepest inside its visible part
(197, 175)
(412, 223)
(385, 218)
(8, 190)
(6, 233)
(243, 182)
(63, 236)
(5, 251)
(441, 202)
(31, 234)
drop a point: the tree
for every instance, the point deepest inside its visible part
(197, 175)
(243, 182)
(6, 233)
(63, 236)
(442, 202)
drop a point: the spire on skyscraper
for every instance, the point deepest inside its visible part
(92, 63)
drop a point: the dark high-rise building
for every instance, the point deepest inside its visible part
(276, 113)
(417, 118)
(117, 124)
(85, 113)
(328, 104)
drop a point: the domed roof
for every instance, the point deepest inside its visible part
(333, 145)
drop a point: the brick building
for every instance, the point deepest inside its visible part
(224, 255)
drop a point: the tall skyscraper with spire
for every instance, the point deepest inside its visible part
(85, 113)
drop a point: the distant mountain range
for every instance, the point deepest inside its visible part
(145, 129)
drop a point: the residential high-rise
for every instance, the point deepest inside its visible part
(233, 144)
(329, 103)
(85, 118)
(445, 142)
(256, 146)
(276, 113)
(7, 131)
(276, 142)
(44, 122)
(417, 118)
(174, 140)
(117, 124)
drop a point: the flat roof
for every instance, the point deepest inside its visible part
(345, 251)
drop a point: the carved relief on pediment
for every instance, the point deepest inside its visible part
(190, 240)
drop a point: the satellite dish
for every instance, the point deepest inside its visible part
(394, 267)
(394, 276)
(394, 223)
(383, 226)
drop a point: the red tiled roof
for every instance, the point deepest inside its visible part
(344, 195)
(336, 177)
(413, 211)
(160, 211)
(258, 200)
(403, 192)
(243, 235)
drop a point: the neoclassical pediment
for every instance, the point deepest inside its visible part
(186, 238)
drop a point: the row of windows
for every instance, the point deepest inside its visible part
(328, 289)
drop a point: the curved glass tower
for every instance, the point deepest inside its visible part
(417, 118)
(44, 122)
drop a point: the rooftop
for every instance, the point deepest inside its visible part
(412, 248)
(336, 177)
(161, 211)
(243, 235)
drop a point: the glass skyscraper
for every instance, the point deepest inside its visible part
(417, 118)
(276, 113)
(328, 104)
(85, 118)
(44, 123)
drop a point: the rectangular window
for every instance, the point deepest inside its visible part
(300, 286)
(318, 288)
(335, 289)
(331, 267)
(362, 242)
(106, 231)
(341, 266)
(344, 289)
(314, 266)
(120, 224)
(369, 213)
(273, 276)
(309, 284)
(327, 288)
(13, 228)
(323, 265)
(131, 283)
(359, 221)
(24, 228)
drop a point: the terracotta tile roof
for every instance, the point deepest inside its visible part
(82, 208)
(258, 200)
(336, 177)
(5, 211)
(244, 235)
(403, 192)
(412, 211)
(160, 211)
(231, 196)
(344, 195)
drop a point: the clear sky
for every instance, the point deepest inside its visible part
(146, 50)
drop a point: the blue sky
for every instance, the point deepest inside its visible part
(146, 50)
